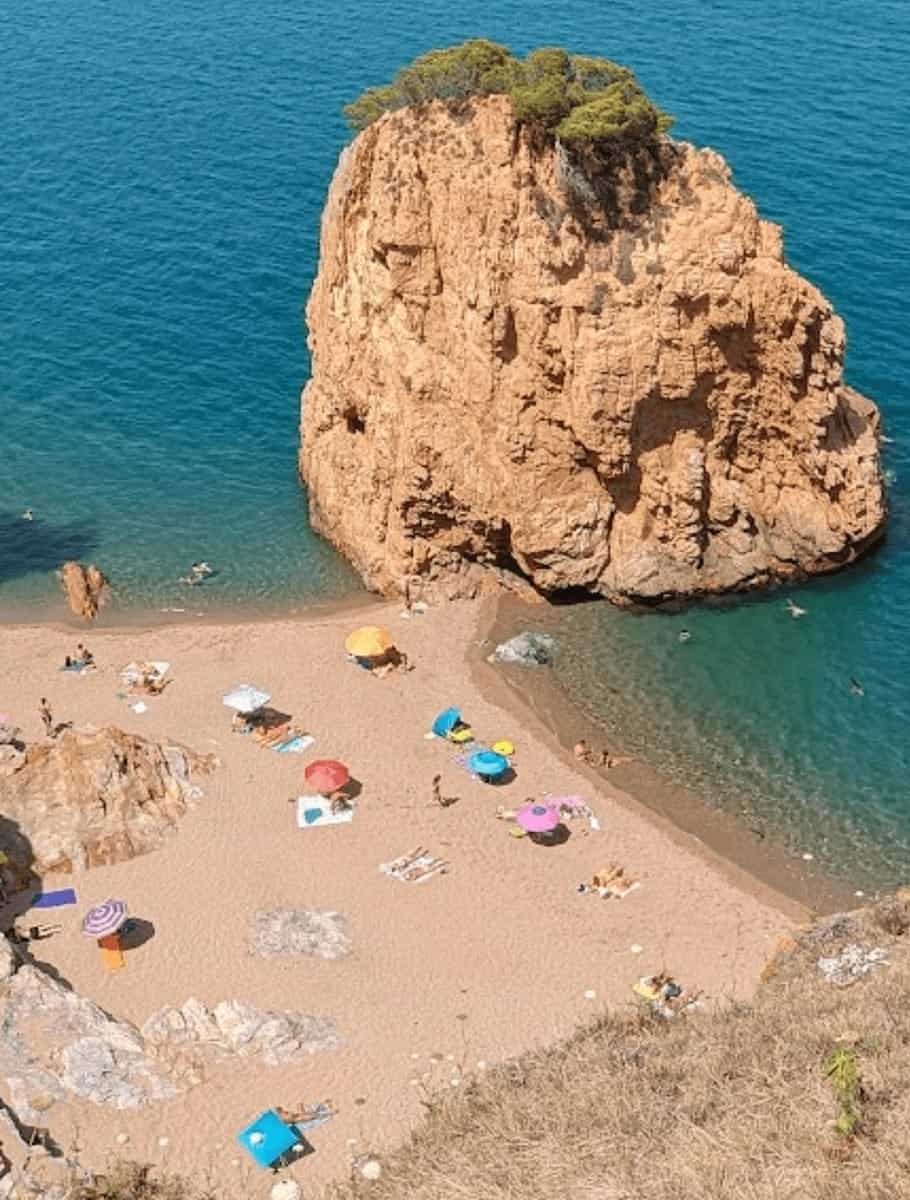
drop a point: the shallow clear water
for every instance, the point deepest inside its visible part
(163, 172)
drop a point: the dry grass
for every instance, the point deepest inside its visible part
(130, 1181)
(741, 1104)
(734, 1105)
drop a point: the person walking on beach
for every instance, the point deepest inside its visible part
(44, 711)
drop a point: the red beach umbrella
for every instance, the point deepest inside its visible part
(326, 775)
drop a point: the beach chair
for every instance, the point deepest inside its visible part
(112, 958)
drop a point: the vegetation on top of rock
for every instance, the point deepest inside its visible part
(577, 98)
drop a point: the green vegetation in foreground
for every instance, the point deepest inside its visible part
(579, 99)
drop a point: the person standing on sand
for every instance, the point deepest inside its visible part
(44, 711)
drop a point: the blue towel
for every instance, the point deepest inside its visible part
(55, 899)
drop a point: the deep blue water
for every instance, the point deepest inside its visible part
(162, 172)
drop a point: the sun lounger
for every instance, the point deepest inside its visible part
(111, 953)
(416, 867)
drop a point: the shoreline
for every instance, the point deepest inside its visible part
(535, 697)
(750, 860)
(496, 957)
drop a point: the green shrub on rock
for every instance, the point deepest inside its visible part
(574, 97)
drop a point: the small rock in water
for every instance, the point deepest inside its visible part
(526, 650)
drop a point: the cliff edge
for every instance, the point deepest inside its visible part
(540, 367)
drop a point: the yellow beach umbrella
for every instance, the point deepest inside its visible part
(369, 642)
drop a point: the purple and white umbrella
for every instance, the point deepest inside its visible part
(104, 919)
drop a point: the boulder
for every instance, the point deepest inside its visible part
(526, 650)
(56, 1045)
(571, 371)
(278, 932)
(235, 1028)
(92, 797)
(86, 589)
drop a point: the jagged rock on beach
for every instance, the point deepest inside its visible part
(233, 1027)
(92, 797)
(86, 589)
(57, 1045)
(278, 932)
(526, 650)
(543, 369)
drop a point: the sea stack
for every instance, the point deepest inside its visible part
(564, 370)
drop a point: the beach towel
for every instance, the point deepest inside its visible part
(295, 745)
(417, 866)
(75, 666)
(111, 954)
(317, 810)
(54, 899)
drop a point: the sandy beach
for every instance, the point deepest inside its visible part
(444, 978)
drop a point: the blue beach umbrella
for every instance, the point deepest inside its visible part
(488, 762)
(446, 722)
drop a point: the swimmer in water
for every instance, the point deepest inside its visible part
(856, 687)
(28, 515)
(795, 610)
(684, 635)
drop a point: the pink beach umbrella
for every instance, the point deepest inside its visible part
(537, 818)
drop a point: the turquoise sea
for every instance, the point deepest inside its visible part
(162, 172)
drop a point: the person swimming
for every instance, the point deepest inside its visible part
(684, 635)
(795, 610)
(856, 687)
(28, 515)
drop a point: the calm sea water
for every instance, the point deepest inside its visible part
(162, 172)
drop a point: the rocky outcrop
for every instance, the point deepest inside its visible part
(56, 1045)
(576, 373)
(277, 932)
(86, 589)
(91, 797)
(234, 1028)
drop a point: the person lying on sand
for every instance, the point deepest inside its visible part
(85, 656)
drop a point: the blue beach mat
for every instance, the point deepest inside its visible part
(55, 899)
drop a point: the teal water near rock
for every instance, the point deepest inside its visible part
(163, 172)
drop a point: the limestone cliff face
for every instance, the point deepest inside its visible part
(578, 374)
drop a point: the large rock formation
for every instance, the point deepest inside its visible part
(86, 589)
(97, 796)
(594, 374)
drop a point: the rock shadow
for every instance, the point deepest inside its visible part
(38, 545)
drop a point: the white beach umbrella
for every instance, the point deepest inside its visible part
(245, 698)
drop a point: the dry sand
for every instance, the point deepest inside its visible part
(473, 967)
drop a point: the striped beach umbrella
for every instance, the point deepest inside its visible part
(104, 919)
